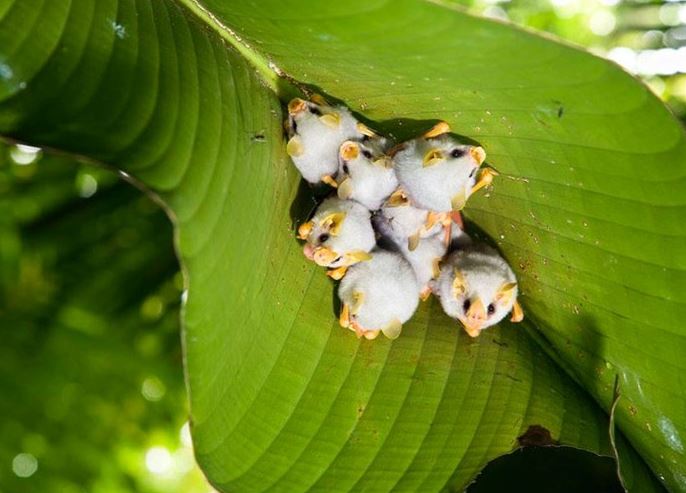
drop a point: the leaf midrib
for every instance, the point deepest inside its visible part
(271, 75)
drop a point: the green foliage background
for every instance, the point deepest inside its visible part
(90, 365)
(89, 312)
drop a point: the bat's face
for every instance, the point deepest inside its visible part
(369, 152)
(357, 162)
(446, 151)
(481, 300)
(438, 172)
(324, 243)
(321, 238)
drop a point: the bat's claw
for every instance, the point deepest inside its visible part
(485, 178)
(328, 179)
(337, 273)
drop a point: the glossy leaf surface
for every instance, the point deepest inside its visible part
(281, 397)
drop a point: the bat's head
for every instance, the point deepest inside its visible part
(324, 244)
(311, 114)
(359, 163)
(320, 235)
(482, 299)
(445, 149)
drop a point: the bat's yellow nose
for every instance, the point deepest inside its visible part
(349, 150)
(476, 316)
(324, 256)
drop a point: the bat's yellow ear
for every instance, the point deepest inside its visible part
(505, 292)
(413, 242)
(296, 106)
(331, 120)
(397, 199)
(459, 284)
(517, 312)
(358, 256)
(439, 129)
(478, 154)
(333, 222)
(304, 230)
(433, 156)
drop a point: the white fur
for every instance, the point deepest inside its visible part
(423, 257)
(389, 286)
(402, 221)
(356, 232)
(320, 142)
(371, 183)
(484, 271)
(433, 187)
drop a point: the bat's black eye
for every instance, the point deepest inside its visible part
(315, 111)
(337, 259)
(456, 153)
(367, 154)
(471, 175)
(491, 309)
(466, 305)
(323, 238)
(345, 169)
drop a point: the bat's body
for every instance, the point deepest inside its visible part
(437, 172)
(379, 295)
(316, 132)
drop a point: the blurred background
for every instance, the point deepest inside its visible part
(91, 377)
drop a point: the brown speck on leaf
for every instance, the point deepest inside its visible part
(499, 343)
(632, 410)
(536, 436)
(360, 410)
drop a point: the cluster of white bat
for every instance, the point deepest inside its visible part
(387, 232)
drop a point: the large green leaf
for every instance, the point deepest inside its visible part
(184, 98)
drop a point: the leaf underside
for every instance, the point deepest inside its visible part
(587, 210)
